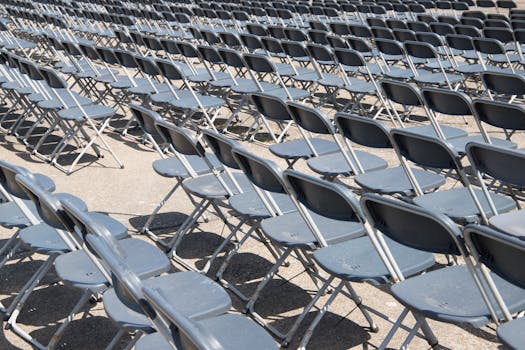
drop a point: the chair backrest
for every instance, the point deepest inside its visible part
(389, 47)
(502, 253)
(509, 116)
(403, 223)
(183, 330)
(504, 83)
(500, 163)
(401, 92)
(363, 131)
(222, 147)
(48, 206)
(8, 173)
(425, 151)
(310, 118)
(259, 63)
(231, 57)
(325, 198)
(488, 46)
(52, 78)
(146, 118)
(349, 57)
(182, 140)
(420, 49)
(459, 42)
(270, 106)
(447, 101)
(261, 171)
(169, 70)
(147, 65)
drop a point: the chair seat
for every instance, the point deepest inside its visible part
(55, 103)
(152, 341)
(92, 111)
(208, 186)
(12, 216)
(512, 223)
(399, 73)
(469, 68)
(428, 130)
(511, 333)
(335, 164)
(249, 204)
(451, 295)
(205, 76)
(395, 181)
(438, 78)
(197, 102)
(172, 167)
(76, 269)
(458, 204)
(357, 260)
(296, 149)
(306, 77)
(460, 143)
(147, 89)
(193, 294)
(290, 93)
(246, 86)
(232, 332)
(291, 230)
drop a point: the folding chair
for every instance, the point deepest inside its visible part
(463, 204)
(353, 260)
(427, 52)
(456, 103)
(409, 97)
(293, 233)
(187, 100)
(197, 296)
(491, 251)
(451, 294)
(210, 190)
(77, 120)
(271, 108)
(504, 86)
(345, 160)
(499, 164)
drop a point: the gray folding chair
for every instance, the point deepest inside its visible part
(498, 256)
(351, 261)
(452, 294)
(464, 203)
(502, 165)
(197, 296)
(345, 160)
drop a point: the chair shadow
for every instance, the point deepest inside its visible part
(162, 224)
(200, 245)
(91, 332)
(47, 305)
(334, 332)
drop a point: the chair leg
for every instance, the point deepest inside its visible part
(311, 328)
(250, 306)
(60, 331)
(13, 311)
(121, 332)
